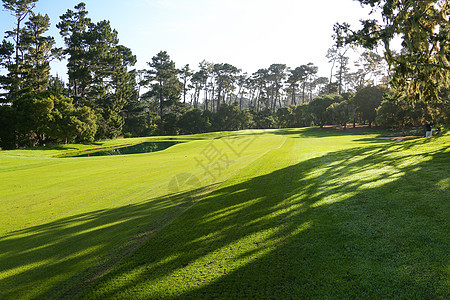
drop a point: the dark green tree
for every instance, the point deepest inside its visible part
(6, 60)
(162, 81)
(399, 113)
(285, 117)
(57, 86)
(318, 108)
(98, 69)
(8, 123)
(225, 77)
(277, 75)
(367, 101)
(194, 121)
(230, 117)
(302, 115)
(185, 76)
(112, 85)
(341, 113)
(69, 123)
(260, 79)
(38, 50)
(296, 75)
(263, 119)
(73, 27)
(20, 9)
(422, 69)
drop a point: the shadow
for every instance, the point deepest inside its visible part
(52, 147)
(326, 227)
(67, 253)
(309, 132)
(362, 223)
(145, 147)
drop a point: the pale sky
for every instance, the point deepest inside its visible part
(249, 34)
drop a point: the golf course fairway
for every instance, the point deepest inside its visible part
(269, 214)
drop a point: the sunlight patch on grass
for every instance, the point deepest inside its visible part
(24, 268)
(443, 184)
(336, 197)
(101, 227)
(297, 214)
(210, 218)
(214, 265)
(379, 182)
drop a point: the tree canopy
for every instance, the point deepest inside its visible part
(421, 69)
(105, 97)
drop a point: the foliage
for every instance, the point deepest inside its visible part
(400, 113)
(164, 86)
(337, 56)
(285, 117)
(97, 69)
(224, 74)
(194, 121)
(105, 98)
(422, 69)
(341, 113)
(230, 117)
(263, 119)
(38, 51)
(303, 116)
(367, 101)
(318, 108)
(45, 118)
(19, 9)
(8, 123)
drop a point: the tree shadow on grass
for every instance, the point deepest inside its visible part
(368, 222)
(51, 147)
(328, 226)
(53, 259)
(306, 132)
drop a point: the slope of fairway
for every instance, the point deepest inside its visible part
(269, 213)
(308, 220)
(61, 217)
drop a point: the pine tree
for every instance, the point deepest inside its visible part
(20, 9)
(163, 83)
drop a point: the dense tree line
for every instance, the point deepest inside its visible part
(37, 108)
(420, 72)
(105, 97)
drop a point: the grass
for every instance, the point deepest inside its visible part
(297, 213)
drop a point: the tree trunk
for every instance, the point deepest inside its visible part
(218, 97)
(184, 92)
(161, 110)
(240, 102)
(271, 105)
(304, 87)
(293, 96)
(331, 77)
(275, 100)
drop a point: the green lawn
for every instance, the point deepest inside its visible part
(282, 214)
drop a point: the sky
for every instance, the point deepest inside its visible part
(249, 34)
